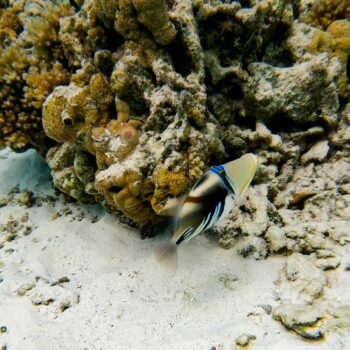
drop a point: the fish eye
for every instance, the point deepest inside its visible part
(67, 121)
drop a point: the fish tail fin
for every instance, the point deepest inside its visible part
(166, 254)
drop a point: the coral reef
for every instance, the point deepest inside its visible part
(31, 65)
(336, 42)
(148, 94)
(138, 98)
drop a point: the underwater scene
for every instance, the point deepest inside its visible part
(174, 174)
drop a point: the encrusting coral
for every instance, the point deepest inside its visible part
(335, 41)
(127, 15)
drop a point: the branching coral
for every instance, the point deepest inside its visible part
(40, 83)
(324, 12)
(42, 26)
(27, 76)
(335, 41)
(10, 24)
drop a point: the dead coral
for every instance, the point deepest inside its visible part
(301, 201)
(240, 33)
(180, 74)
(10, 23)
(128, 14)
(153, 15)
(319, 98)
(131, 79)
(121, 135)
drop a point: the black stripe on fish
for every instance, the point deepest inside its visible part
(220, 171)
(191, 199)
(184, 235)
(200, 181)
(212, 203)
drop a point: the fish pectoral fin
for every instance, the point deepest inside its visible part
(166, 228)
(172, 206)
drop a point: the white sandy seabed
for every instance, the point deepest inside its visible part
(73, 283)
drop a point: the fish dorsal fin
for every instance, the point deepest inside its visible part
(240, 172)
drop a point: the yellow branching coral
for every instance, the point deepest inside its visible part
(29, 68)
(10, 24)
(168, 182)
(43, 26)
(335, 41)
(23, 91)
(41, 82)
(324, 12)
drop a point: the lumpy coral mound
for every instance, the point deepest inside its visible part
(138, 98)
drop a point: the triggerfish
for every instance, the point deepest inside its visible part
(211, 199)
